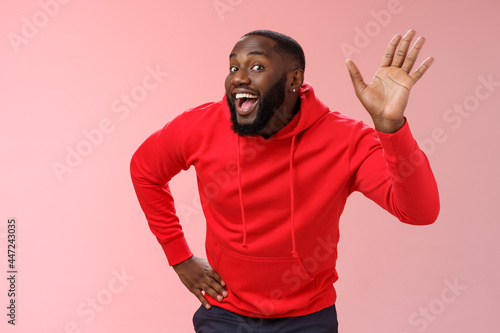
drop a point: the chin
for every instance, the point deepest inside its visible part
(245, 121)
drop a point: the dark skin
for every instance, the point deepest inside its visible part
(199, 277)
(255, 73)
(255, 67)
(386, 97)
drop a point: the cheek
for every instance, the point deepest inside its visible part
(227, 83)
(263, 82)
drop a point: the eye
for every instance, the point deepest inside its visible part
(257, 67)
(233, 69)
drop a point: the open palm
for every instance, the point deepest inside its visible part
(386, 97)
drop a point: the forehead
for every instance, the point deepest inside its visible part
(254, 45)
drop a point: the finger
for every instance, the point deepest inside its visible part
(389, 52)
(412, 56)
(403, 48)
(422, 69)
(356, 77)
(202, 299)
(218, 284)
(216, 277)
(213, 293)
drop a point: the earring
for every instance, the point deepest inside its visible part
(293, 90)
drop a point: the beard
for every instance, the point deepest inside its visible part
(268, 105)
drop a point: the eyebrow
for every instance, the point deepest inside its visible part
(257, 52)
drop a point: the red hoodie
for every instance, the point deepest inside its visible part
(273, 206)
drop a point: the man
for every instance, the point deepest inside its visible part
(274, 169)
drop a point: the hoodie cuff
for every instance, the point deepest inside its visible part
(399, 145)
(176, 250)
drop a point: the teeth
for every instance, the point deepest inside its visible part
(245, 95)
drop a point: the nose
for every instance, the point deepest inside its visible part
(240, 78)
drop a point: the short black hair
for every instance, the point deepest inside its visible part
(286, 46)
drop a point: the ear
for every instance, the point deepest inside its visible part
(295, 79)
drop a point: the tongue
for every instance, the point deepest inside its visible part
(248, 103)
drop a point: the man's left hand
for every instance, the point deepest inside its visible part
(385, 98)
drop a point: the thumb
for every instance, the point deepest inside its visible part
(356, 77)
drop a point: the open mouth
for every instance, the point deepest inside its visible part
(245, 103)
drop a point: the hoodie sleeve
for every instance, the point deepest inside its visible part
(391, 170)
(154, 163)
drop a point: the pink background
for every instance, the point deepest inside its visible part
(65, 76)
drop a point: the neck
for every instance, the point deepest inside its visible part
(281, 118)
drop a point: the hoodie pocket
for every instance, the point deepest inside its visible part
(264, 286)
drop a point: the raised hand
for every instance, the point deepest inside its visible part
(386, 97)
(199, 277)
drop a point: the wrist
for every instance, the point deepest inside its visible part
(389, 126)
(179, 265)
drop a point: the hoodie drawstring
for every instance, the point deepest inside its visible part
(241, 199)
(292, 198)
